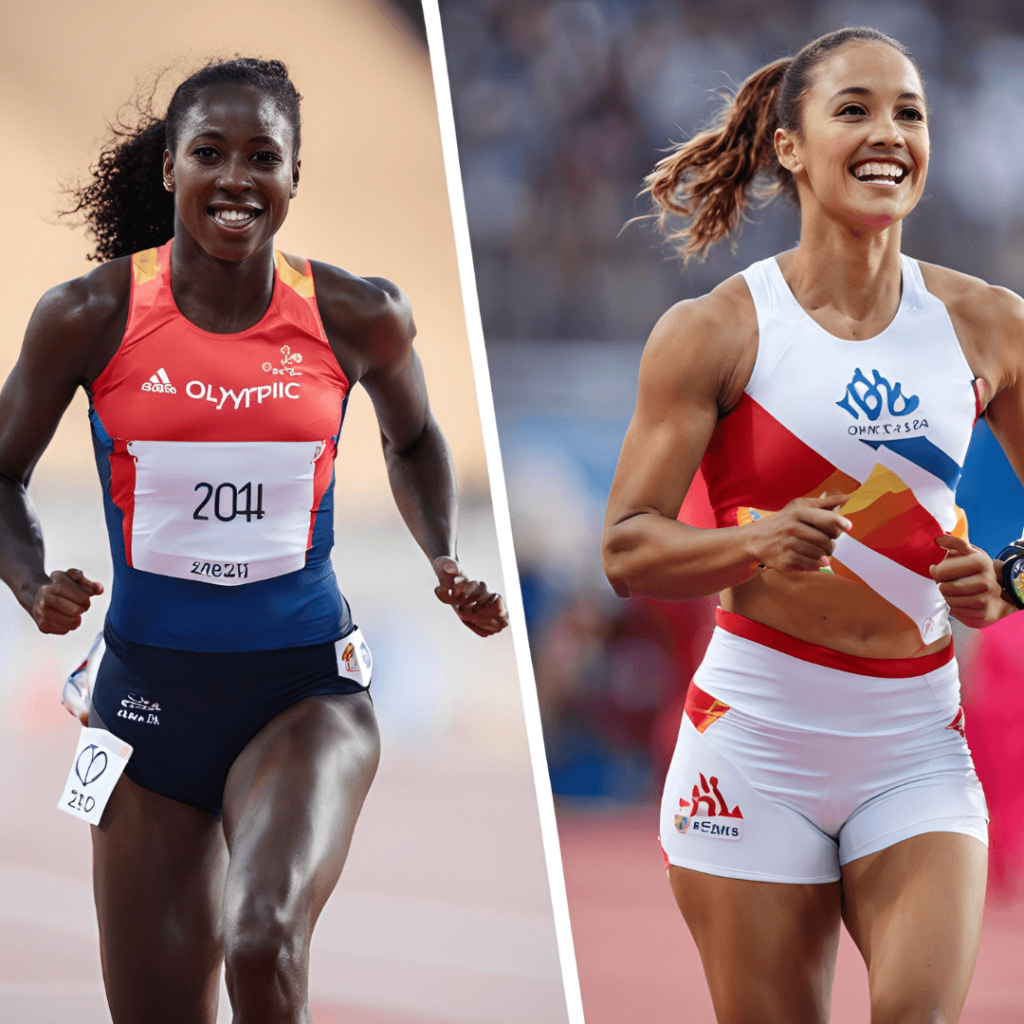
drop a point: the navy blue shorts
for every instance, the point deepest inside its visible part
(189, 715)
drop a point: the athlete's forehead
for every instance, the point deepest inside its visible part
(236, 112)
(866, 69)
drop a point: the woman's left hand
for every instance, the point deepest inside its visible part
(967, 580)
(482, 610)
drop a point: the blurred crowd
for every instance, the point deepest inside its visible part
(561, 108)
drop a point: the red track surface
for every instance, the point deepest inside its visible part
(637, 961)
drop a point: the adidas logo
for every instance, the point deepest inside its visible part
(160, 382)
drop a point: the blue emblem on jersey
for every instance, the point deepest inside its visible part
(867, 396)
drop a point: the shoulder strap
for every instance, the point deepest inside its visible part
(150, 280)
(762, 289)
(915, 292)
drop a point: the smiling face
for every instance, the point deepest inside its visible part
(861, 155)
(233, 171)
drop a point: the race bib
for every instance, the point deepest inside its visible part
(354, 659)
(223, 512)
(99, 760)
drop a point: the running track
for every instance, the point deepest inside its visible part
(638, 963)
(443, 913)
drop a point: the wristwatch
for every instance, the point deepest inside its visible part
(1012, 558)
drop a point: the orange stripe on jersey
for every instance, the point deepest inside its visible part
(888, 518)
(302, 283)
(146, 266)
(838, 483)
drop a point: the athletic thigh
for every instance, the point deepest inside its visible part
(768, 948)
(158, 876)
(914, 910)
(290, 807)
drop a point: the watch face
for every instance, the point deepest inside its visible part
(1017, 579)
(1011, 551)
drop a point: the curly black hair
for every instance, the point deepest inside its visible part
(125, 205)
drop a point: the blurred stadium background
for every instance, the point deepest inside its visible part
(561, 108)
(443, 914)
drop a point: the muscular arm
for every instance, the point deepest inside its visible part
(696, 363)
(419, 462)
(1005, 413)
(989, 321)
(69, 327)
(371, 328)
(646, 550)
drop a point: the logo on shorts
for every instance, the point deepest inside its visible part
(349, 657)
(957, 725)
(707, 795)
(137, 709)
(288, 363)
(365, 652)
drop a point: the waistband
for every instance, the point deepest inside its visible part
(886, 668)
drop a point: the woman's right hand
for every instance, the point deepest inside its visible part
(801, 536)
(60, 604)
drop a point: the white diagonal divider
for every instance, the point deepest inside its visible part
(502, 520)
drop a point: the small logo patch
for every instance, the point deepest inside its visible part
(288, 363)
(957, 725)
(707, 796)
(137, 709)
(160, 382)
(349, 657)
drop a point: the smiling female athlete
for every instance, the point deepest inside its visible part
(217, 371)
(828, 394)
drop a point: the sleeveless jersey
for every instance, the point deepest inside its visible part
(887, 419)
(216, 455)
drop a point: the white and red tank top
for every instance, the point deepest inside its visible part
(887, 419)
(216, 452)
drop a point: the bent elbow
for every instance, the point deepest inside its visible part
(615, 568)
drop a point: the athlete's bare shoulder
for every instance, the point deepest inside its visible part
(988, 319)
(77, 325)
(708, 342)
(972, 298)
(368, 320)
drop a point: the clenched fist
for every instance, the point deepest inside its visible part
(60, 604)
(480, 609)
(801, 536)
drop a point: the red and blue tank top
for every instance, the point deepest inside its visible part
(887, 420)
(216, 453)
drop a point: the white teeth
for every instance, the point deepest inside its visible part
(233, 216)
(879, 170)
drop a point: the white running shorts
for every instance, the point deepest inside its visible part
(793, 759)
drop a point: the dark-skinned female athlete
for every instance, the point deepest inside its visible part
(217, 372)
(828, 394)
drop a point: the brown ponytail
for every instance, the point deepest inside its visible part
(711, 180)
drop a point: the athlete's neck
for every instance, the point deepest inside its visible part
(220, 296)
(847, 281)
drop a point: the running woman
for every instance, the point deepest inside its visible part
(828, 394)
(217, 371)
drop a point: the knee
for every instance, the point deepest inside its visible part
(264, 952)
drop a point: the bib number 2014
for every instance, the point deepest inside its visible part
(228, 502)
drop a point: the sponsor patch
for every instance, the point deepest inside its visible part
(706, 813)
